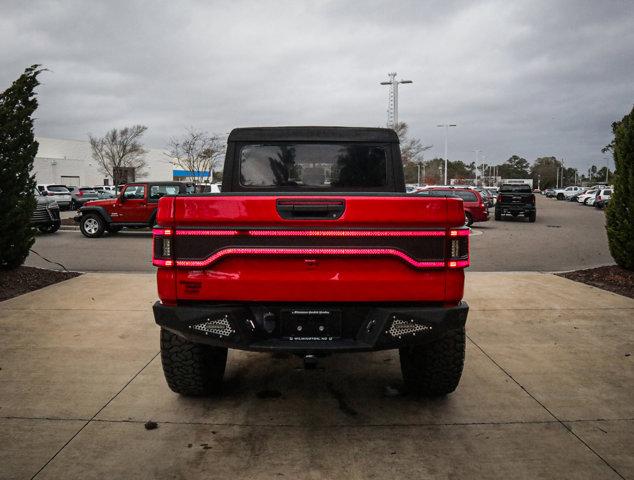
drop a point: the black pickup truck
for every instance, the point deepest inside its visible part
(515, 199)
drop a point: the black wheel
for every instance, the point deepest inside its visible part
(434, 369)
(113, 229)
(532, 216)
(92, 225)
(560, 196)
(191, 368)
(498, 215)
(54, 227)
(468, 219)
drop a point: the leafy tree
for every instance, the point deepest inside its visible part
(119, 150)
(17, 152)
(620, 210)
(197, 151)
(515, 167)
(544, 170)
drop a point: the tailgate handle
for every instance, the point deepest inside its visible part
(311, 209)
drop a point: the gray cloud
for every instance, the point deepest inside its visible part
(533, 78)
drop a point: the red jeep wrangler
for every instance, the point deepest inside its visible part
(313, 247)
(134, 207)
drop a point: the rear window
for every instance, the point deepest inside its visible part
(57, 188)
(516, 188)
(313, 165)
(86, 189)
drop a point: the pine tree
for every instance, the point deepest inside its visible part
(17, 184)
(620, 210)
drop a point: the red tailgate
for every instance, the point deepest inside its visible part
(310, 249)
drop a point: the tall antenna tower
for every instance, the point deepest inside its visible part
(392, 99)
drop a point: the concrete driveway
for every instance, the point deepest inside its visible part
(546, 393)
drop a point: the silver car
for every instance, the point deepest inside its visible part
(81, 195)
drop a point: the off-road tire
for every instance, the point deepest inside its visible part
(498, 215)
(191, 369)
(434, 369)
(532, 216)
(88, 228)
(560, 196)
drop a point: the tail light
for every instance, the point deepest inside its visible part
(80, 193)
(162, 247)
(499, 198)
(458, 248)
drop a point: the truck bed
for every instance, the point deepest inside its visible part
(322, 248)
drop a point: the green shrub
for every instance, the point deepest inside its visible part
(620, 210)
(17, 152)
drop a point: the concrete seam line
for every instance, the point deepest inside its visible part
(332, 425)
(568, 429)
(93, 417)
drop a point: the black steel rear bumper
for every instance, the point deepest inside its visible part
(346, 328)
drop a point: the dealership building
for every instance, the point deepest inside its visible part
(70, 162)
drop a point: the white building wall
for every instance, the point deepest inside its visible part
(70, 162)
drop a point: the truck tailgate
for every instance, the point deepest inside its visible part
(348, 248)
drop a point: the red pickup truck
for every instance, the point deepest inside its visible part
(313, 247)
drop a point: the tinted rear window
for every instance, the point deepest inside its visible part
(57, 188)
(319, 165)
(516, 188)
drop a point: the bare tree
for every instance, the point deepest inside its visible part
(197, 152)
(120, 152)
(412, 149)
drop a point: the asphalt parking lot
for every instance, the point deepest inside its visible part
(566, 236)
(546, 393)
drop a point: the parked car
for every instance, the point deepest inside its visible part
(105, 191)
(135, 207)
(493, 193)
(573, 198)
(81, 195)
(566, 193)
(475, 210)
(602, 198)
(585, 196)
(549, 192)
(46, 214)
(487, 197)
(516, 199)
(59, 193)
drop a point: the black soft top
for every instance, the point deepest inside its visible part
(319, 134)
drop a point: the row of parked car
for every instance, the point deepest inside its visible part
(597, 196)
(72, 197)
(509, 199)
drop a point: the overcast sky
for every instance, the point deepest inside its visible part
(531, 78)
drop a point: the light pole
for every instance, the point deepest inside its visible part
(476, 151)
(446, 127)
(392, 108)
